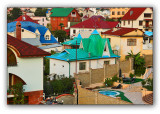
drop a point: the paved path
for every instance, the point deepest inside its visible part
(133, 93)
(67, 99)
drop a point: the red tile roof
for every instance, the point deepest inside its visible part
(119, 31)
(95, 21)
(25, 18)
(133, 16)
(24, 49)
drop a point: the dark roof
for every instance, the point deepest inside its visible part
(119, 31)
(25, 18)
(133, 14)
(24, 49)
(96, 21)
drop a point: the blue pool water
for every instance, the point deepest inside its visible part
(109, 93)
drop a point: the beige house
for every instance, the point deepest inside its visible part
(123, 40)
(118, 12)
(141, 18)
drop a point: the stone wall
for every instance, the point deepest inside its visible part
(97, 75)
(108, 71)
(85, 79)
(126, 66)
(111, 70)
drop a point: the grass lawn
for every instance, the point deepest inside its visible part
(135, 81)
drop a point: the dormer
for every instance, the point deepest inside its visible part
(47, 35)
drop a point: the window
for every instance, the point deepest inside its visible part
(113, 13)
(47, 37)
(22, 30)
(74, 31)
(104, 48)
(82, 66)
(73, 13)
(124, 23)
(128, 21)
(131, 42)
(69, 19)
(62, 19)
(106, 62)
(123, 12)
(11, 58)
(43, 19)
(140, 23)
(118, 13)
(54, 19)
(147, 15)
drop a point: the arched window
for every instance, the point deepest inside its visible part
(13, 79)
(11, 58)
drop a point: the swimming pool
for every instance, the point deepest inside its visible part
(109, 93)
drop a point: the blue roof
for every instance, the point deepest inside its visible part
(95, 32)
(30, 26)
(148, 33)
(70, 55)
(47, 10)
(79, 36)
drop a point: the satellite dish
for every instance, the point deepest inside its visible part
(117, 47)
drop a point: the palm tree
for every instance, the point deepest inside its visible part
(62, 25)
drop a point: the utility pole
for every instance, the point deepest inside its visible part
(76, 56)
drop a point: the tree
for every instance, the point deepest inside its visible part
(40, 12)
(61, 25)
(60, 34)
(46, 64)
(18, 93)
(49, 26)
(139, 62)
(14, 14)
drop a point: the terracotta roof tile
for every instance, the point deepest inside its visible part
(119, 31)
(25, 49)
(96, 21)
(133, 14)
(25, 18)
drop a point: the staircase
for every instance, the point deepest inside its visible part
(147, 73)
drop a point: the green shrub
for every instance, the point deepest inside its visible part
(115, 78)
(131, 75)
(109, 82)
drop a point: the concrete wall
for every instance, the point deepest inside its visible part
(30, 70)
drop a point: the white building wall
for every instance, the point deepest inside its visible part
(59, 70)
(30, 70)
(84, 29)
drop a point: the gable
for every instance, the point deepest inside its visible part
(136, 32)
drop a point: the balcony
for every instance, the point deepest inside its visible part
(147, 46)
(148, 26)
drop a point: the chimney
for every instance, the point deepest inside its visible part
(99, 19)
(18, 30)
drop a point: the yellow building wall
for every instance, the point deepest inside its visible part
(118, 10)
(122, 43)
